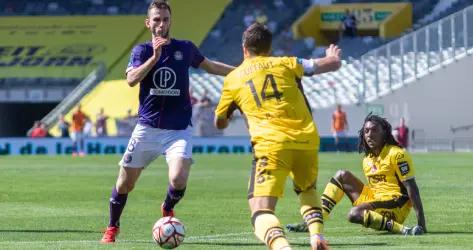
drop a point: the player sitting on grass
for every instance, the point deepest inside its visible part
(385, 202)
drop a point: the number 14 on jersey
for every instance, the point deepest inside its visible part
(265, 93)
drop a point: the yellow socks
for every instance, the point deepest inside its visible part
(268, 229)
(311, 211)
(374, 220)
(333, 194)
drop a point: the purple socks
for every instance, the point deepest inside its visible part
(173, 197)
(117, 203)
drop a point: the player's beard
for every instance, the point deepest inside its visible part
(163, 34)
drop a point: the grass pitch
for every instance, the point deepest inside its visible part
(62, 203)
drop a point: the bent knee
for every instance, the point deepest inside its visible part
(356, 215)
(342, 174)
(178, 182)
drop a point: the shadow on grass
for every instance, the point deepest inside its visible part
(373, 244)
(430, 232)
(450, 232)
(292, 244)
(46, 231)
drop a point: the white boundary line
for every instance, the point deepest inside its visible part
(218, 236)
(233, 236)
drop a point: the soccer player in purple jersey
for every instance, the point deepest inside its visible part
(161, 66)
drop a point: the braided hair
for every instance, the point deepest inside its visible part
(388, 138)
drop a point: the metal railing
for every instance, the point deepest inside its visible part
(90, 82)
(381, 70)
(455, 144)
(416, 54)
(461, 128)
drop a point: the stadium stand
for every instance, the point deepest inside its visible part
(72, 7)
(420, 7)
(226, 34)
(424, 12)
(388, 67)
(442, 9)
(363, 78)
(230, 26)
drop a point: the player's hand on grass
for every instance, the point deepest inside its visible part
(418, 230)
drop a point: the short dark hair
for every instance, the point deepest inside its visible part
(257, 39)
(387, 134)
(159, 4)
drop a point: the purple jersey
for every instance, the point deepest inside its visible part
(164, 92)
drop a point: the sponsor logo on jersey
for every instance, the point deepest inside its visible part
(178, 55)
(377, 178)
(164, 79)
(403, 167)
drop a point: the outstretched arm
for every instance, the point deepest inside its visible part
(215, 67)
(414, 195)
(331, 61)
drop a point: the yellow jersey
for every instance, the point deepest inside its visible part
(386, 172)
(268, 91)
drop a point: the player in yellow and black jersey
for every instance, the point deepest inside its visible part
(385, 202)
(268, 91)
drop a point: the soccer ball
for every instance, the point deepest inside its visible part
(168, 232)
